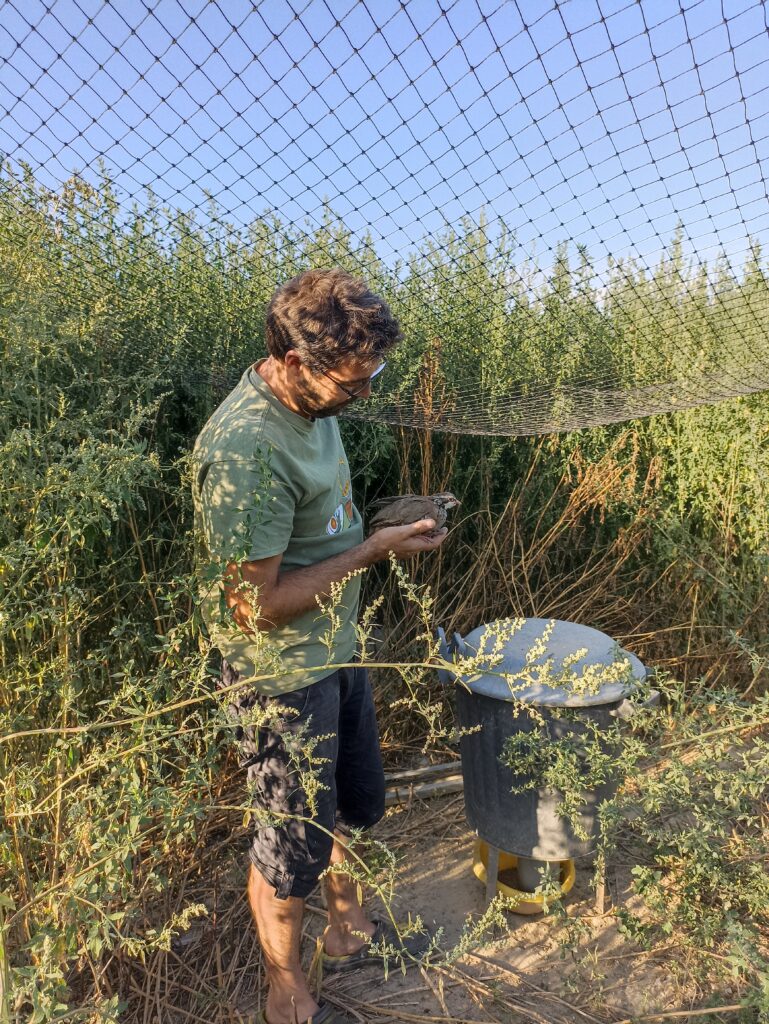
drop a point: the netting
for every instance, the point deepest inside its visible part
(564, 202)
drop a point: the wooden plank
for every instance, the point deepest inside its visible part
(423, 790)
(419, 774)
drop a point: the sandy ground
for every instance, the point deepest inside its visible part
(526, 972)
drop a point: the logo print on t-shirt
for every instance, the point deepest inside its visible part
(341, 517)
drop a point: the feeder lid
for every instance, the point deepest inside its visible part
(624, 669)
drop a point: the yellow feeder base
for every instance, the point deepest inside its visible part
(527, 903)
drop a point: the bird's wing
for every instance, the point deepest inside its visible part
(409, 508)
(384, 502)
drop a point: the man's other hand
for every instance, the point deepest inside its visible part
(405, 541)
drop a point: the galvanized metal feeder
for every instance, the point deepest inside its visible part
(527, 824)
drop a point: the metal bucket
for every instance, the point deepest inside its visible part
(528, 824)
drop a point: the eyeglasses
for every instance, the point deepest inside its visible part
(361, 387)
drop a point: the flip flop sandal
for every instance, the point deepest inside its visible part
(410, 948)
(327, 1014)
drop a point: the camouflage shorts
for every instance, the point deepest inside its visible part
(340, 710)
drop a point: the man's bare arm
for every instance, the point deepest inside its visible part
(284, 596)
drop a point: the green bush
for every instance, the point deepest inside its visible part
(115, 326)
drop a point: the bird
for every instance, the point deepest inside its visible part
(402, 509)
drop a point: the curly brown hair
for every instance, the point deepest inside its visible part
(327, 315)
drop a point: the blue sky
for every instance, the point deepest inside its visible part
(600, 121)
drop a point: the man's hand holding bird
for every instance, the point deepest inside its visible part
(409, 524)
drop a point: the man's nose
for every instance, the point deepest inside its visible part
(366, 392)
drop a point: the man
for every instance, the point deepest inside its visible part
(273, 501)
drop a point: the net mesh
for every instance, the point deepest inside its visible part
(564, 202)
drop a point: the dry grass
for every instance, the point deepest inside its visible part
(213, 974)
(519, 565)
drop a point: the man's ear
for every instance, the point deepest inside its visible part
(292, 360)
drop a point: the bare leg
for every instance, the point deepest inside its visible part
(279, 924)
(347, 921)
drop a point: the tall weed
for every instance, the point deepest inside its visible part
(115, 327)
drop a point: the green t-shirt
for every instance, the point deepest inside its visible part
(267, 481)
